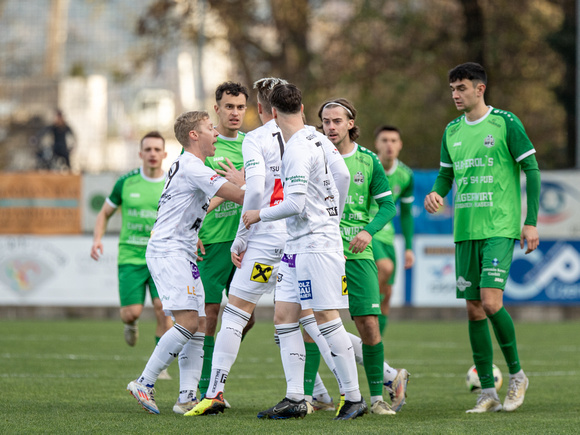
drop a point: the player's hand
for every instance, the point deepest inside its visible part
(97, 250)
(231, 174)
(251, 217)
(531, 237)
(433, 201)
(409, 258)
(360, 242)
(237, 258)
(200, 250)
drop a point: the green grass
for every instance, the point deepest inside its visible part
(70, 377)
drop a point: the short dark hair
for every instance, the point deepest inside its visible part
(470, 71)
(286, 98)
(231, 88)
(155, 134)
(386, 127)
(354, 132)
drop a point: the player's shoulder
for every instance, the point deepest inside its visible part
(367, 154)
(455, 123)
(506, 115)
(131, 174)
(404, 168)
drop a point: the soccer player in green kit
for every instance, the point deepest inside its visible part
(484, 151)
(388, 144)
(137, 193)
(368, 182)
(221, 225)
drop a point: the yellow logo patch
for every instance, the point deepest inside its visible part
(191, 290)
(344, 286)
(261, 272)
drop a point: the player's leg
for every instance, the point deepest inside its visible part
(364, 306)
(497, 258)
(132, 297)
(171, 275)
(216, 270)
(163, 322)
(468, 274)
(386, 262)
(292, 352)
(322, 284)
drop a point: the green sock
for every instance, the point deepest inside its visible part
(208, 345)
(157, 340)
(505, 332)
(373, 359)
(383, 322)
(482, 351)
(311, 367)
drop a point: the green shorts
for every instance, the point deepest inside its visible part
(482, 264)
(363, 288)
(133, 282)
(216, 270)
(382, 250)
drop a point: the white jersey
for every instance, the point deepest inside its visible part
(263, 149)
(182, 207)
(305, 169)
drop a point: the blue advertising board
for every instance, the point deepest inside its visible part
(550, 274)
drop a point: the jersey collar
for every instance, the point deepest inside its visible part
(477, 121)
(393, 167)
(151, 180)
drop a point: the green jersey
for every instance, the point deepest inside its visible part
(367, 182)
(400, 178)
(485, 156)
(221, 224)
(138, 197)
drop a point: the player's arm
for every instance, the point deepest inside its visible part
(443, 182)
(533, 182)
(103, 217)
(231, 192)
(292, 204)
(230, 173)
(408, 223)
(341, 177)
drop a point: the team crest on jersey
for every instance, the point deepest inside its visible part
(462, 284)
(305, 288)
(261, 272)
(489, 141)
(359, 178)
(344, 286)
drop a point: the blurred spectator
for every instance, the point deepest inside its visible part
(62, 138)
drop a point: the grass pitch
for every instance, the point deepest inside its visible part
(70, 377)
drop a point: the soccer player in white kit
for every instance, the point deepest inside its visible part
(255, 252)
(171, 258)
(312, 269)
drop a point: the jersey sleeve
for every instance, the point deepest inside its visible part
(115, 198)
(206, 179)
(379, 187)
(297, 172)
(253, 157)
(518, 141)
(444, 180)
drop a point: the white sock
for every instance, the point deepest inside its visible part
(389, 373)
(310, 326)
(190, 364)
(169, 346)
(519, 374)
(343, 355)
(320, 391)
(293, 356)
(227, 346)
(490, 392)
(357, 348)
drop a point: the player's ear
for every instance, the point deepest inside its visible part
(274, 113)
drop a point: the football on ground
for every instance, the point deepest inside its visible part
(472, 379)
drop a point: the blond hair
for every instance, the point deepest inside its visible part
(187, 122)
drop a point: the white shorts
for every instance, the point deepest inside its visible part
(317, 281)
(257, 276)
(178, 284)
